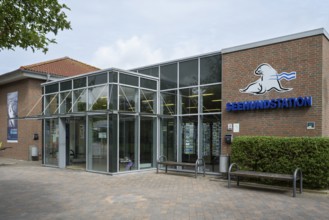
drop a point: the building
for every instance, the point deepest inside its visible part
(21, 97)
(114, 121)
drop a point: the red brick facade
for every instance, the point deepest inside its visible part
(29, 92)
(309, 57)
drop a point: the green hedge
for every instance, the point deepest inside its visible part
(284, 155)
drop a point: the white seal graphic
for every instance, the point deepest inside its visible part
(269, 79)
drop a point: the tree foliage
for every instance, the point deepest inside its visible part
(28, 23)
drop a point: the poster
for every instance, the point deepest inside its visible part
(12, 109)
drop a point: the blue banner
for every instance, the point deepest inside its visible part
(12, 107)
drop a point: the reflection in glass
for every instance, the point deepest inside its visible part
(168, 76)
(127, 143)
(211, 141)
(148, 101)
(147, 142)
(153, 71)
(51, 142)
(113, 146)
(66, 102)
(128, 97)
(189, 135)
(211, 98)
(168, 138)
(149, 84)
(76, 145)
(51, 104)
(168, 102)
(67, 85)
(188, 73)
(51, 88)
(210, 69)
(113, 97)
(98, 98)
(97, 144)
(97, 79)
(128, 79)
(189, 100)
(79, 100)
(79, 83)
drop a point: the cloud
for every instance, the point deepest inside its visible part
(127, 53)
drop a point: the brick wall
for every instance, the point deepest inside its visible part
(29, 92)
(325, 90)
(303, 56)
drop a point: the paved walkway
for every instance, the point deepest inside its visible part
(30, 191)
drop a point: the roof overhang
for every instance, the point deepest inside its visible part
(19, 74)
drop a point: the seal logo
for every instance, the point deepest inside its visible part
(269, 80)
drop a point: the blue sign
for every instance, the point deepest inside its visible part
(280, 103)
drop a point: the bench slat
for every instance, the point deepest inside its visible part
(263, 175)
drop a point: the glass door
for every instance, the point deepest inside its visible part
(76, 142)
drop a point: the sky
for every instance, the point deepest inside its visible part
(132, 33)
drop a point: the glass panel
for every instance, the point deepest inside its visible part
(153, 71)
(98, 98)
(79, 100)
(188, 73)
(97, 146)
(66, 85)
(168, 76)
(211, 69)
(150, 84)
(168, 103)
(113, 143)
(51, 104)
(51, 141)
(129, 80)
(211, 98)
(168, 138)
(148, 101)
(127, 143)
(211, 141)
(113, 77)
(189, 100)
(147, 142)
(79, 83)
(189, 135)
(128, 99)
(76, 146)
(97, 79)
(113, 97)
(52, 88)
(66, 102)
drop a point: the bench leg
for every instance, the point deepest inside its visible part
(157, 168)
(238, 181)
(294, 189)
(166, 168)
(301, 184)
(196, 171)
(229, 181)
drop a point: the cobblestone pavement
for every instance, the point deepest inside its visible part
(30, 191)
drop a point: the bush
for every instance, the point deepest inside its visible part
(284, 155)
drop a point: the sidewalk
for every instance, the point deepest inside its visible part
(30, 191)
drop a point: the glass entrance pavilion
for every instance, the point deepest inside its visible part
(114, 121)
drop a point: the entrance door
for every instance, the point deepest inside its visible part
(76, 142)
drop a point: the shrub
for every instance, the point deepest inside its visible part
(284, 155)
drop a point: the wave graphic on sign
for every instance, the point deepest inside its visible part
(285, 75)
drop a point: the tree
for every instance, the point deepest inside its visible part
(28, 23)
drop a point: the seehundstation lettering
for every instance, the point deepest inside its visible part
(279, 103)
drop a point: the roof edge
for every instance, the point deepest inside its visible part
(296, 36)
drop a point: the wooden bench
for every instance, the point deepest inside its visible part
(297, 175)
(199, 163)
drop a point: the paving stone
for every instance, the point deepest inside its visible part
(31, 191)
